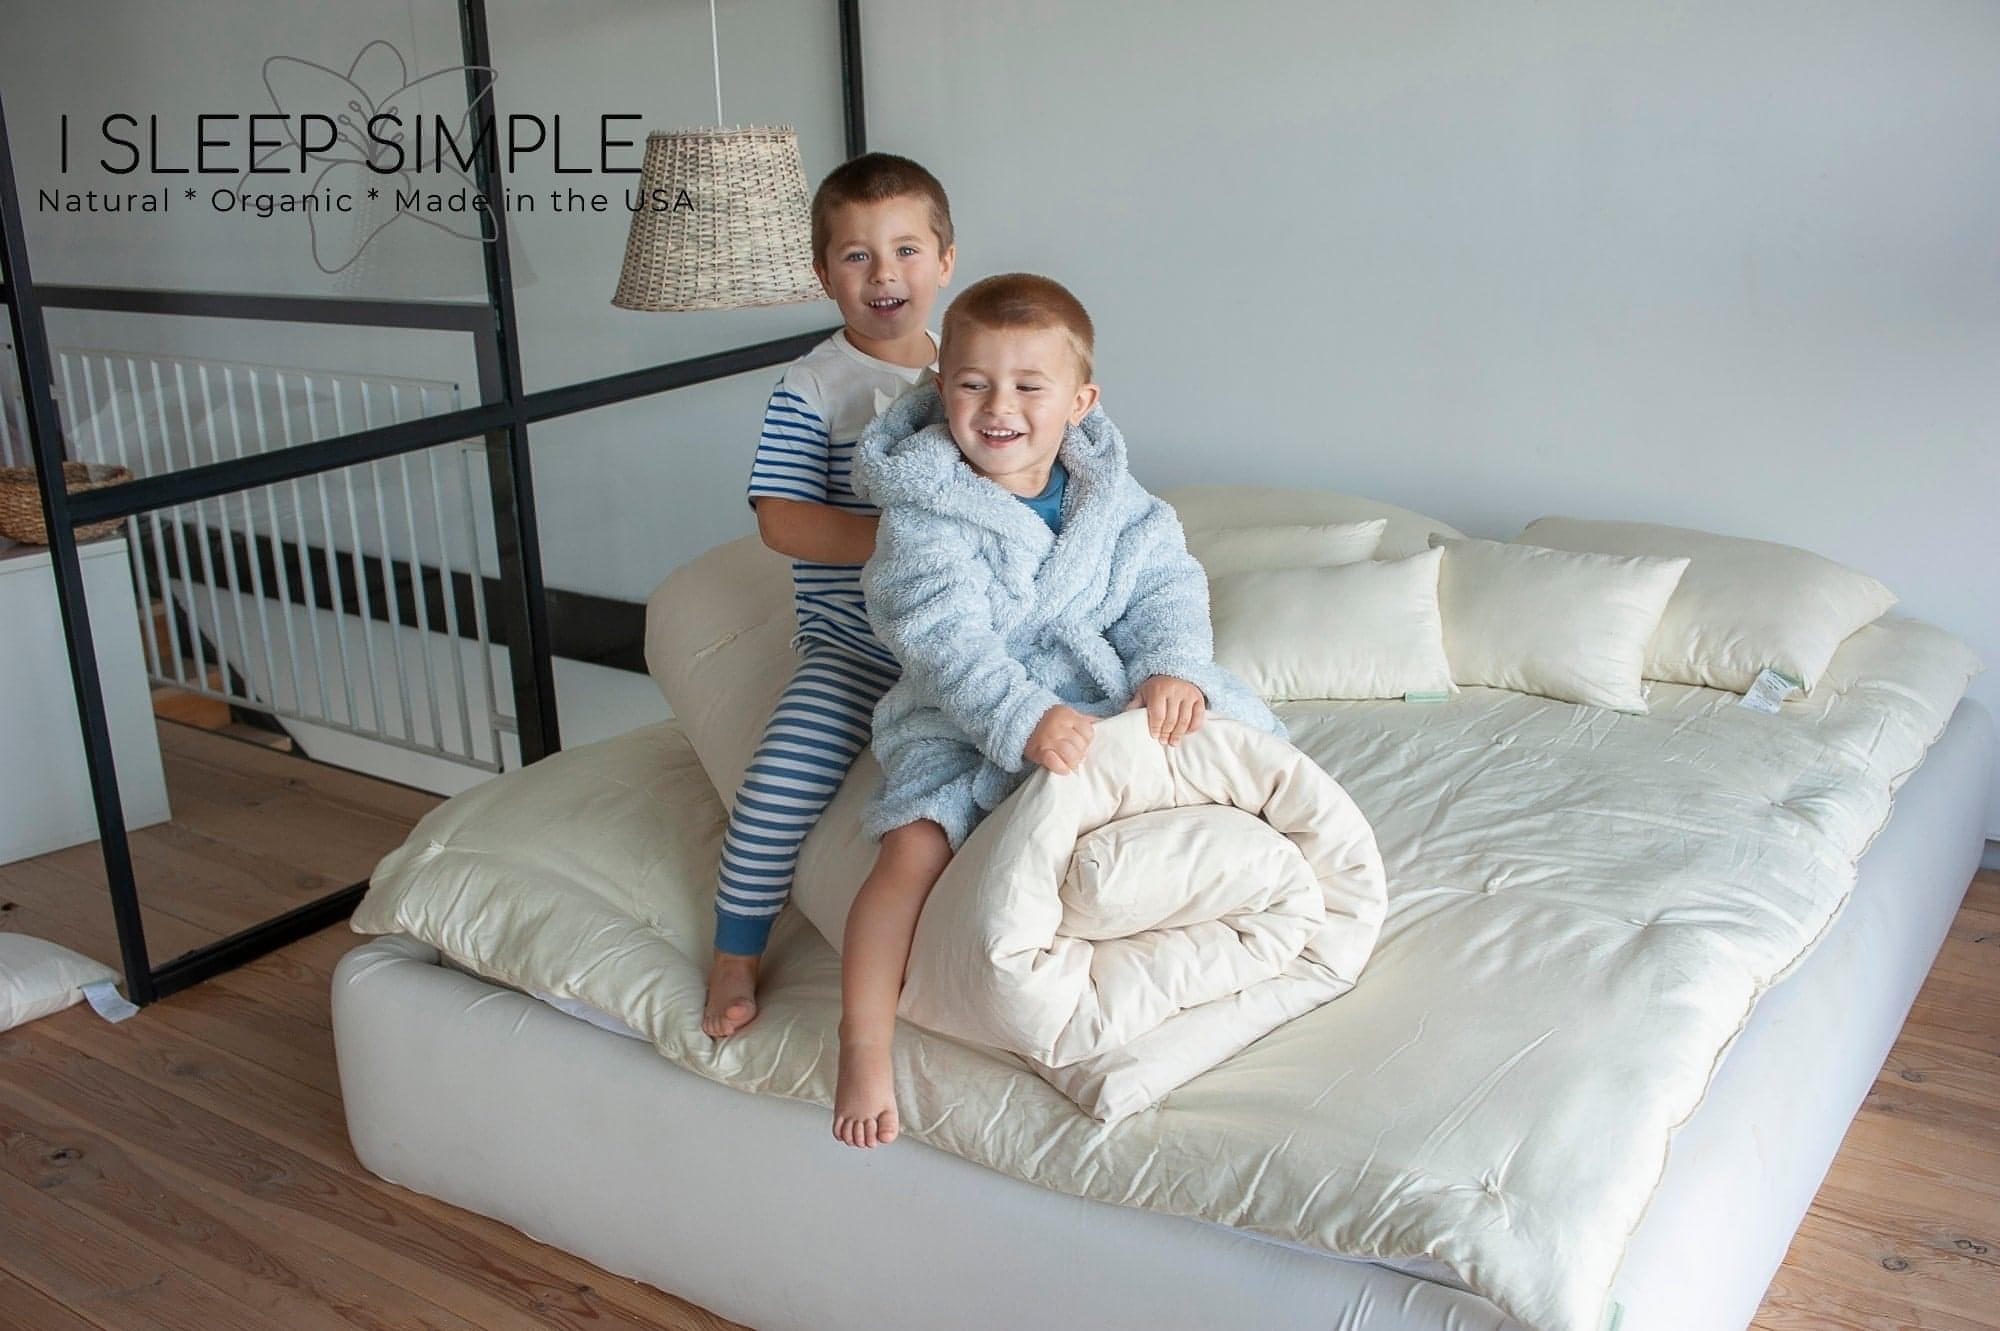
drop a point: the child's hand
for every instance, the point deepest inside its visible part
(1060, 739)
(1173, 706)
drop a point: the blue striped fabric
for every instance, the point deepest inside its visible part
(797, 459)
(818, 728)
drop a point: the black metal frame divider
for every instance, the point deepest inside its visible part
(502, 417)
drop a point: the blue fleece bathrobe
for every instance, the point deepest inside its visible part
(995, 620)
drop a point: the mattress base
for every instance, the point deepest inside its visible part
(744, 1204)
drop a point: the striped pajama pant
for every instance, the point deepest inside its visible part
(819, 727)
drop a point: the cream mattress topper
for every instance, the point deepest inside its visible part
(1583, 908)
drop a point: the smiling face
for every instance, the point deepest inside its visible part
(1009, 395)
(884, 268)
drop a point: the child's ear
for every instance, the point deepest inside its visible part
(819, 271)
(946, 262)
(1086, 398)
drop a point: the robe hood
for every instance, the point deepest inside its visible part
(906, 454)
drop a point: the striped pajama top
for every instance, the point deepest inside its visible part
(806, 452)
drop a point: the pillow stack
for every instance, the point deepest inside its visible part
(1304, 613)
(1743, 606)
(1584, 612)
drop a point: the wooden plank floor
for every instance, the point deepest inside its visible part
(190, 1168)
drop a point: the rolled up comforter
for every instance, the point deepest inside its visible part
(1129, 925)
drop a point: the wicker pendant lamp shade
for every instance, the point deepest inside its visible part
(724, 223)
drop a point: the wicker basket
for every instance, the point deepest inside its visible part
(21, 499)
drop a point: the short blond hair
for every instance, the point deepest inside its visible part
(872, 178)
(1023, 301)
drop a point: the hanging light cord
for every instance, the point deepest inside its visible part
(715, 50)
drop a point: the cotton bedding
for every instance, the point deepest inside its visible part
(1583, 907)
(1131, 924)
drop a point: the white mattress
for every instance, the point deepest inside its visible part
(743, 1204)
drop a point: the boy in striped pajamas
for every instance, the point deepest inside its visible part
(882, 246)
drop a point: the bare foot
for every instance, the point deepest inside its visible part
(732, 995)
(864, 1099)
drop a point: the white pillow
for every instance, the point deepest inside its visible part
(1365, 630)
(1553, 622)
(1202, 507)
(38, 977)
(1223, 550)
(718, 643)
(1743, 605)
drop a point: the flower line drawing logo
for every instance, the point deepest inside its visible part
(370, 108)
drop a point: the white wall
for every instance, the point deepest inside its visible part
(1723, 263)
(1732, 264)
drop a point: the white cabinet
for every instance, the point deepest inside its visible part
(44, 783)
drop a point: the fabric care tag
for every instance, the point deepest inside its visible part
(1769, 691)
(108, 1003)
